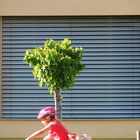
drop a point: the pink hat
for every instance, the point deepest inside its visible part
(48, 110)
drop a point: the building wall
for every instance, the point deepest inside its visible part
(98, 129)
(69, 7)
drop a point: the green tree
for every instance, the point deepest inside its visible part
(55, 65)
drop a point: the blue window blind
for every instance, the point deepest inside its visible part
(109, 87)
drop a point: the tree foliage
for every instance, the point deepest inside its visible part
(56, 64)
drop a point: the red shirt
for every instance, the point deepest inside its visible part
(58, 131)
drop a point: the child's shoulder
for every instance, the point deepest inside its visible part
(53, 122)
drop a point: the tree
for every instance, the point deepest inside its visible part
(55, 65)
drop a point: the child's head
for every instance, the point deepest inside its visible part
(47, 114)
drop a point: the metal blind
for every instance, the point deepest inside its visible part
(109, 87)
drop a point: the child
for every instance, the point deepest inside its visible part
(56, 131)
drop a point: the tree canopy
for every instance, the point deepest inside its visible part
(55, 64)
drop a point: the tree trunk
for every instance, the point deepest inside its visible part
(58, 104)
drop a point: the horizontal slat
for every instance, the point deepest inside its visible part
(66, 33)
(68, 24)
(107, 37)
(91, 87)
(42, 19)
(90, 112)
(75, 108)
(76, 91)
(19, 103)
(91, 54)
(71, 28)
(90, 41)
(89, 50)
(114, 62)
(85, 78)
(91, 46)
(111, 99)
(97, 66)
(80, 83)
(75, 95)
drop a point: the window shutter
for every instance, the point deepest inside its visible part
(108, 88)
